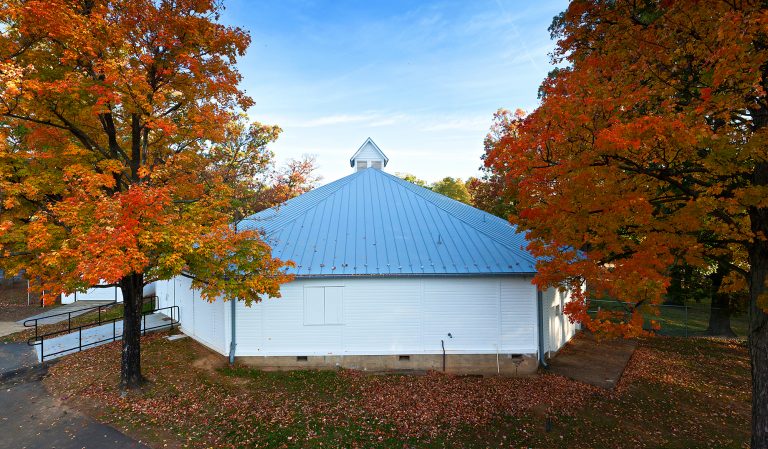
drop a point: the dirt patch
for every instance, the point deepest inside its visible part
(209, 361)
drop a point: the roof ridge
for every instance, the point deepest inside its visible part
(430, 196)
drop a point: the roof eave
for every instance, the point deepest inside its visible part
(411, 275)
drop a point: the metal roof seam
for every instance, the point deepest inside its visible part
(368, 225)
(418, 190)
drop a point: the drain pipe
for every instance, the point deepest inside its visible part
(233, 343)
(233, 325)
(540, 313)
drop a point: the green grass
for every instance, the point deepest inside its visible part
(675, 393)
(677, 321)
(324, 382)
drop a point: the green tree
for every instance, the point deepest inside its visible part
(452, 188)
(413, 179)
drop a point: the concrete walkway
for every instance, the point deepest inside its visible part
(10, 327)
(76, 308)
(31, 418)
(94, 336)
(596, 363)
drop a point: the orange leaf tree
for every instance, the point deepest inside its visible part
(114, 117)
(649, 148)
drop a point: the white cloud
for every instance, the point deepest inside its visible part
(365, 119)
(335, 119)
(463, 124)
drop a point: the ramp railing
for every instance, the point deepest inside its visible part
(35, 322)
(171, 312)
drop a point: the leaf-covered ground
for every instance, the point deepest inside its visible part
(14, 303)
(674, 393)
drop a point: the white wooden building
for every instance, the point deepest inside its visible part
(389, 275)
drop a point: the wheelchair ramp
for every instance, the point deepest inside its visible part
(58, 314)
(58, 344)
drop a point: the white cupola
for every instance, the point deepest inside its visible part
(369, 155)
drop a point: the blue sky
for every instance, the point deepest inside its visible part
(422, 79)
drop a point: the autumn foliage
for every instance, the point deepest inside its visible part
(648, 150)
(125, 157)
(629, 165)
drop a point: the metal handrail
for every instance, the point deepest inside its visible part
(78, 311)
(99, 321)
(34, 322)
(40, 339)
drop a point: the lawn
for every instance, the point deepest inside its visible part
(675, 393)
(677, 320)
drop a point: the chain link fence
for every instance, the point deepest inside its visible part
(674, 320)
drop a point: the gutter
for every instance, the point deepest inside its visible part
(523, 274)
(540, 317)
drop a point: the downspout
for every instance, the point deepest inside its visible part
(233, 324)
(233, 343)
(540, 313)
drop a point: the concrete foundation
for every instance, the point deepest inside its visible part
(479, 364)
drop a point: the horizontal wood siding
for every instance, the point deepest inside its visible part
(283, 330)
(369, 153)
(386, 319)
(204, 321)
(396, 316)
(560, 329)
(519, 328)
(467, 309)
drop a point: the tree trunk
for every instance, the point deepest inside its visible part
(720, 316)
(132, 288)
(758, 345)
(720, 306)
(758, 319)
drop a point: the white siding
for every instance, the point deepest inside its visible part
(164, 291)
(95, 294)
(467, 309)
(369, 153)
(282, 326)
(382, 306)
(206, 322)
(394, 316)
(559, 329)
(103, 294)
(519, 318)
(367, 157)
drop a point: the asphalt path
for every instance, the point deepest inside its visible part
(31, 418)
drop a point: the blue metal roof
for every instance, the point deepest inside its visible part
(372, 223)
